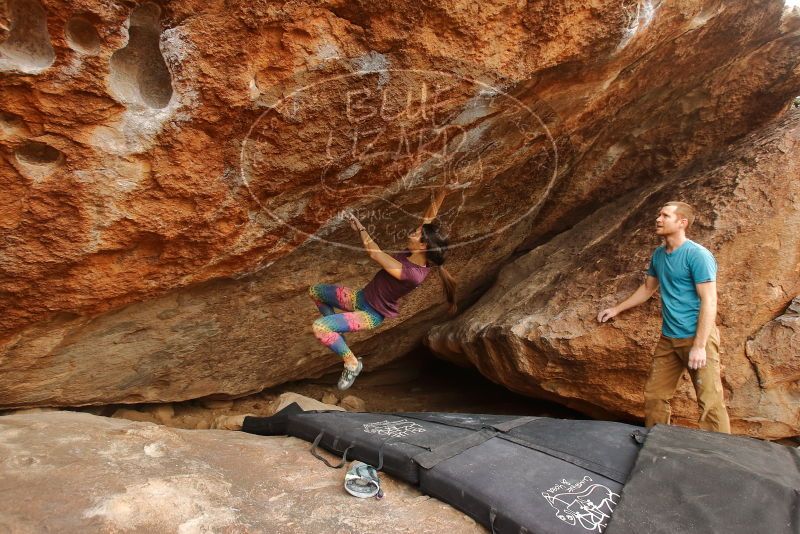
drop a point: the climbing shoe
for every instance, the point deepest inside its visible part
(348, 376)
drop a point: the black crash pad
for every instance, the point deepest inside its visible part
(690, 481)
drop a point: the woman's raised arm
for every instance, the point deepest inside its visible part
(389, 264)
(436, 202)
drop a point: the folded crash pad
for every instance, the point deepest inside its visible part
(512, 474)
(541, 475)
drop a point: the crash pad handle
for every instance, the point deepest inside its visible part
(380, 451)
(320, 457)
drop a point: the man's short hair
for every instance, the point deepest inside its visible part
(683, 211)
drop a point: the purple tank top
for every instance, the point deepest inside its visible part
(384, 290)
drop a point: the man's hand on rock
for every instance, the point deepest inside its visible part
(607, 314)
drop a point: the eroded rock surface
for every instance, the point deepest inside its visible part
(71, 472)
(155, 238)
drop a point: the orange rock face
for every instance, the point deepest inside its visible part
(174, 176)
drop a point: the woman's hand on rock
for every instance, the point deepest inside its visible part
(355, 224)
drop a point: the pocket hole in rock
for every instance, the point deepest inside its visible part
(27, 48)
(11, 125)
(139, 73)
(82, 35)
(39, 154)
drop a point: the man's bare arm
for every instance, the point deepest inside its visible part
(707, 291)
(642, 294)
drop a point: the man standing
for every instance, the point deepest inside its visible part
(686, 273)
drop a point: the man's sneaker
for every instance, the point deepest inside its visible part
(348, 376)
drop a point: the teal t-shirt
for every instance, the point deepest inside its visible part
(678, 272)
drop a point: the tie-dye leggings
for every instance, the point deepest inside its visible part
(358, 315)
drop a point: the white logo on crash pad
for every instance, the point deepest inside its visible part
(582, 503)
(394, 429)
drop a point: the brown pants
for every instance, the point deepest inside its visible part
(670, 359)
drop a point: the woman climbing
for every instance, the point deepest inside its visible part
(366, 308)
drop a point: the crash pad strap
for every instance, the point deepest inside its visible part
(444, 452)
(514, 423)
(380, 451)
(492, 518)
(319, 457)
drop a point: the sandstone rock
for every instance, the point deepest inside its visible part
(330, 398)
(139, 264)
(191, 415)
(306, 403)
(72, 472)
(185, 421)
(202, 424)
(134, 415)
(229, 422)
(535, 330)
(773, 352)
(30, 410)
(351, 403)
(163, 413)
(213, 404)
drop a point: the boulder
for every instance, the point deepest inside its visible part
(174, 173)
(536, 332)
(229, 422)
(164, 413)
(306, 403)
(329, 398)
(351, 403)
(134, 415)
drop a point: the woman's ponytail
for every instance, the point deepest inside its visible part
(436, 247)
(449, 284)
